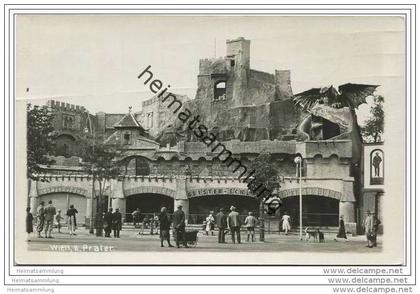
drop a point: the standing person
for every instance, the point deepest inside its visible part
(49, 214)
(234, 224)
(142, 223)
(58, 219)
(250, 223)
(376, 223)
(369, 229)
(151, 224)
(40, 218)
(286, 223)
(178, 220)
(341, 229)
(221, 222)
(210, 224)
(156, 222)
(164, 226)
(108, 223)
(136, 217)
(29, 224)
(71, 215)
(117, 222)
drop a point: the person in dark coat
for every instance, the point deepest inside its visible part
(341, 229)
(164, 227)
(117, 222)
(49, 214)
(29, 223)
(179, 226)
(221, 222)
(40, 218)
(108, 222)
(72, 223)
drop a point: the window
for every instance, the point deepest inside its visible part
(68, 121)
(162, 118)
(252, 119)
(220, 91)
(150, 120)
(127, 138)
(65, 150)
(142, 166)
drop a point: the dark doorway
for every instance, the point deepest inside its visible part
(317, 210)
(149, 203)
(201, 206)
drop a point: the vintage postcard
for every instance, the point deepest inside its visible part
(210, 139)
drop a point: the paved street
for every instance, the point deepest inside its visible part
(130, 241)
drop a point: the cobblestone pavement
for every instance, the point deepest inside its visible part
(131, 241)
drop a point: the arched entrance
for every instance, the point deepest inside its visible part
(318, 211)
(66, 145)
(62, 200)
(201, 206)
(148, 203)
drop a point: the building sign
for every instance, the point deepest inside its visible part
(219, 191)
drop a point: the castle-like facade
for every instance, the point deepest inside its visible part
(163, 163)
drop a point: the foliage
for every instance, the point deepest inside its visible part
(40, 138)
(101, 161)
(265, 176)
(373, 129)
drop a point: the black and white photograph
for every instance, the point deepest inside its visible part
(206, 134)
(214, 144)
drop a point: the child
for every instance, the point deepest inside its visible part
(29, 224)
(251, 223)
(58, 219)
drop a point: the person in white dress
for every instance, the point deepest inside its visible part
(210, 224)
(286, 223)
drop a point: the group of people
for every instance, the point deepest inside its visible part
(225, 222)
(143, 222)
(370, 224)
(112, 221)
(47, 217)
(232, 223)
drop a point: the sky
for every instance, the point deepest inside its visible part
(94, 60)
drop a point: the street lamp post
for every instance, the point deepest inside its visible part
(91, 223)
(298, 161)
(99, 209)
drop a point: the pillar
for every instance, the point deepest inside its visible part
(33, 196)
(379, 209)
(89, 205)
(181, 196)
(347, 210)
(117, 196)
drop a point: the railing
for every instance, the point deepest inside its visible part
(193, 219)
